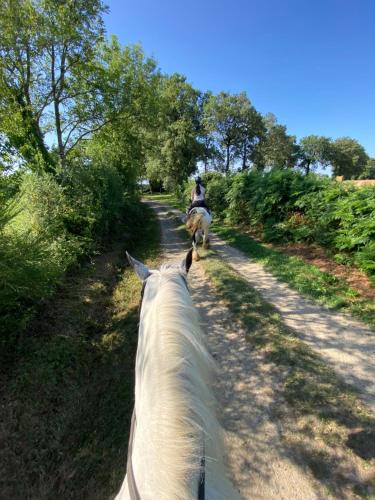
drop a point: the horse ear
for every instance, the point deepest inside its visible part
(186, 263)
(140, 269)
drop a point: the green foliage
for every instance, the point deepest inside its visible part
(104, 105)
(369, 170)
(267, 198)
(365, 258)
(349, 158)
(46, 229)
(289, 206)
(9, 185)
(35, 251)
(278, 149)
(98, 200)
(354, 212)
(217, 188)
(314, 151)
(74, 388)
(47, 49)
(232, 129)
(344, 219)
(174, 148)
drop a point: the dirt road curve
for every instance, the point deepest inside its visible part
(259, 465)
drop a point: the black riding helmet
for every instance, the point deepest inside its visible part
(198, 180)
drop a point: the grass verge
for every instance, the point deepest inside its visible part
(307, 279)
(325, 423)
(66, 407)
(166, 198)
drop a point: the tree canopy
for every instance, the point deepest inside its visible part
(68, 94)
(315, 151)
(349, 158)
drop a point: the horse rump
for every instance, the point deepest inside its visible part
(193, 223)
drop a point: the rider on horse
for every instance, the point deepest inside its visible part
(198, 196)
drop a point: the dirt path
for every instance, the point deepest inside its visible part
(248, 390)
(346, 344)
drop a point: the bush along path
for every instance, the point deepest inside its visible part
(294, 429)
(346, 344)
(66, 406)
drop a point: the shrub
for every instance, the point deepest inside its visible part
(268, 198)
(289, 206)
(97, 200)
(46, 228)
(343, 218)
(217, 187)
(35, 251)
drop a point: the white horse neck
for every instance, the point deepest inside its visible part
(172, 371)
(176, 422)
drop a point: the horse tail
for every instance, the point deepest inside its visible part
(193, 223)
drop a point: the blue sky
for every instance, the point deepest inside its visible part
(310, 62)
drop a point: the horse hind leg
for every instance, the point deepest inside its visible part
(206, 240)
(196, 255)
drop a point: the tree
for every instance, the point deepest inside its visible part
(47, 79)
(174, 147)
(252, 131)
(222, 119)
(315, 150)
(278, 149)
(369, 170)
(209, 152)
(208, 149)
(349, 158)
(130, 105)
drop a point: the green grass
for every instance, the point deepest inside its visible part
(307, 279)
(170, 199)
(67, 404)
(325, 418)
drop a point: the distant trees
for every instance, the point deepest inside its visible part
(314, 151)
(278, 149)
(369, 170)
(252, 133)
(233, 129)
(222, 121)
(235, 135)
(349, 158)
(174, 147)
(67, 94)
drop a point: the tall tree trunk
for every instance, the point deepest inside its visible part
(244, 156)
(227, 160)
(33, 134)
(56, 106)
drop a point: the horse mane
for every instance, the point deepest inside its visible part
(175, 406)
